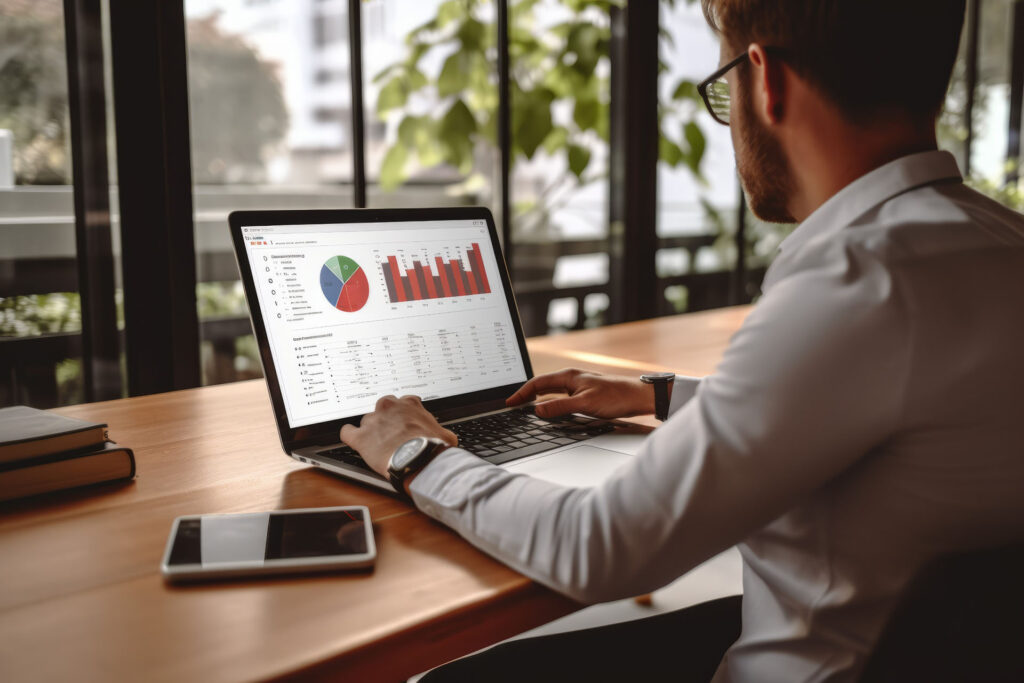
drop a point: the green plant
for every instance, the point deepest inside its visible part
(34, 314)
(1009, 194)
(555, 70)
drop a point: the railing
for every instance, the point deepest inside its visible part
(28, 365)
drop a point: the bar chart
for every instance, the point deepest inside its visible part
(453, 273)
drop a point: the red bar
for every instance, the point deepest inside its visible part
(478, 262)
(456, 269)
(443, 275)
(415, 284)
(399, 287)
(472, 283)
(428, 279)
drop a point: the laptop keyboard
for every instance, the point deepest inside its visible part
(506, 436)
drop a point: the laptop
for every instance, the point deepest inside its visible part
(350, 305)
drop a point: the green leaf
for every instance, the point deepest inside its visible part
(392, 171)
(585, 113)
(686, 90)
(416, 79)
(531, 120)
(556, 139)
(458, 120)
(392, 96)
(450, 11)
(454, 75)
(455, 133)
(579, 157)
(669, 152)
(408, 129)
(583, 40)
(471, 33)
(603, 126)
(695, 139)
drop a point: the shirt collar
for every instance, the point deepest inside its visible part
(870, 190)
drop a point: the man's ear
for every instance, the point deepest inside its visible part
(768, 81)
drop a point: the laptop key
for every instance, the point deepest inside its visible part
(485, 453)
(561, 441)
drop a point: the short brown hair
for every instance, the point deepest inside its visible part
(870, 57)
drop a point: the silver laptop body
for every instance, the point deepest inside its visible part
(350, 305)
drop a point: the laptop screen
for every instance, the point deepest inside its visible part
(355, 311)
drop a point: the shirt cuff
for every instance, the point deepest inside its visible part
(428, 488)
(683, 389)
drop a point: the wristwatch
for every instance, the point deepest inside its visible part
(411, 457)
(660, 380)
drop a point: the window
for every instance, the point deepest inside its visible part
(271, 129)
(329, 29)
(270, 98)
(40, 312)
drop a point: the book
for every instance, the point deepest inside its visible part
(27, 433)
(58, 471)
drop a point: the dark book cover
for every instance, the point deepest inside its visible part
(58, 471)
(27, 433)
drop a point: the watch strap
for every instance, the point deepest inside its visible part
(397, 479)
(661, 402)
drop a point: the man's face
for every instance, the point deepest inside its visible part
(760, 160)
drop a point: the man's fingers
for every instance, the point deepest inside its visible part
(559, 406)
(555, 381)
(349, 435)
(385, 401)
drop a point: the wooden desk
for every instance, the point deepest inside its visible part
(81, 597)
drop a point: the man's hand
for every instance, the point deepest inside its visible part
(588, 393)
(393, 422)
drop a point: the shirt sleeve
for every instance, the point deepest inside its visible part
(683, 389)
(812, 381)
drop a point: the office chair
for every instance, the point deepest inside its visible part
(961, 619)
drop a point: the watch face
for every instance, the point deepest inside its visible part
(406, 453)
(657, 376)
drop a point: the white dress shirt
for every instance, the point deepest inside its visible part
(865, 418)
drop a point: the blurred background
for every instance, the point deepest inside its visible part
(217, 105)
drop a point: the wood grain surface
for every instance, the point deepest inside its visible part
(81, 596)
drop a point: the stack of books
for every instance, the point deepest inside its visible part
(42, 452)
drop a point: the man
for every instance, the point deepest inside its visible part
(865, 418)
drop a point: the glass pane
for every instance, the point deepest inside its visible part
(270, 106)
(989, 163)
(40, 318)
(992, 99)
(559, 184)
(430, 92)
(698, 190)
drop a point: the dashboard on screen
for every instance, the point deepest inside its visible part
(356, 311)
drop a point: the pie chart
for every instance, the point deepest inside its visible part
(344, 284)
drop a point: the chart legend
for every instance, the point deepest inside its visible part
(344, 284)
(449, 275)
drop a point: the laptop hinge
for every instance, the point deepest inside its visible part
(466, 411)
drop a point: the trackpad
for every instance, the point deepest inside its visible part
(580, 466)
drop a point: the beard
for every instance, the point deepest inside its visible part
(762, 166)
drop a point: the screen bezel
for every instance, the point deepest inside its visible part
(326, 433)
(355, 560)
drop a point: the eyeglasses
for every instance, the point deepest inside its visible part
(714, 90)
